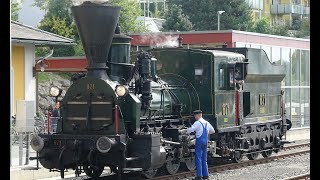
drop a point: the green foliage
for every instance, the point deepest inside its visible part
(58, 20)
(63, 51)
(262, 26)
(43, 77)
(304, 29)
(130, 10)
(65, 75)
(203, 14)
(156, 10)
(42, 51)
(176, 20)
(14, 11)
(281, 30)
(42, 4)
(58, 25)
(78, 49)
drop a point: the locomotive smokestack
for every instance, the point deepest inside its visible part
(96, 24)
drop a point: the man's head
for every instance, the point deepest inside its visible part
(197, 114)
(57, 105)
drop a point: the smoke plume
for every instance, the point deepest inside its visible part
(160, 40)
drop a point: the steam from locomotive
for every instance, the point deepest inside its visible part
(133, 116)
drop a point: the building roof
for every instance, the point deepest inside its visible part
(21, 33)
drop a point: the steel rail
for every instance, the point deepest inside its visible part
(299, 177)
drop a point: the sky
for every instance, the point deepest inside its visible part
(30, 15)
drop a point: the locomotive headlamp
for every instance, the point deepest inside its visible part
(36, 143)
(104, 144)
(121, 90)
(55, 91)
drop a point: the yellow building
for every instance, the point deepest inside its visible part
(24, 39)
(282, 12)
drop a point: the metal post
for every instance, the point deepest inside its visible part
(48, 123)
(27, 149)
(37, 160)
(148, 4)
(218, 21)
(144, 9)
(20, 148)
(219, 12)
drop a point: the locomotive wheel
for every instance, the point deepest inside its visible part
(267, 153)
(172, 167)
(190, 164)
(237, 157)
(93, 172)
(253, 155)
(150, 173)
(276, 150)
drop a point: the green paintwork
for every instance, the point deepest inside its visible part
(131, 107)
(182, 62)
(75, 108)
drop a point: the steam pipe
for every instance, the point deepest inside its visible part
(170, 142)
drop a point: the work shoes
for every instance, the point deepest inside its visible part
(197, 178)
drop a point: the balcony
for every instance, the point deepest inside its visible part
(289, 9)
(255, 4)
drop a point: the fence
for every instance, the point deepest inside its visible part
(20, 149)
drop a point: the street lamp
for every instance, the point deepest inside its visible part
(219, 12)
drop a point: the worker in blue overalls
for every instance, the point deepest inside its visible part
(202, 128)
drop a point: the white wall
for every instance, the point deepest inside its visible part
(30, 81)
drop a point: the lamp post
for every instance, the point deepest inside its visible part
(219, 12)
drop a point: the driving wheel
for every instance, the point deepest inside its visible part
(253, 155)
(267, 153)
(93, 172)
(237, 157)
(150, 173)
(172, 167)
(190, 163)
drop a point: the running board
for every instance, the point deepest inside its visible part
(242, 150)
(132, 169)
(286, 142)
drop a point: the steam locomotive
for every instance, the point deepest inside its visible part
(130, 111)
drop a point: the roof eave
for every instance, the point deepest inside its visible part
(42, 43)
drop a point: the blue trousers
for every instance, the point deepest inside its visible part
(201, 158)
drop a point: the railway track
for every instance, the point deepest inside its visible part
(225, 167)
(296, 146)
(299, 177)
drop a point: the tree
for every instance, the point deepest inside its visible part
(129, 13)
(14, 11)
(176, 20)
(58, 20)
(203, 14)
(261, 26)
(264, 26)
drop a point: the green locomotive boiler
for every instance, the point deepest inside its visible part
(130, 111)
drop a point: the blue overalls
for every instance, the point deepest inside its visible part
(201, 153)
